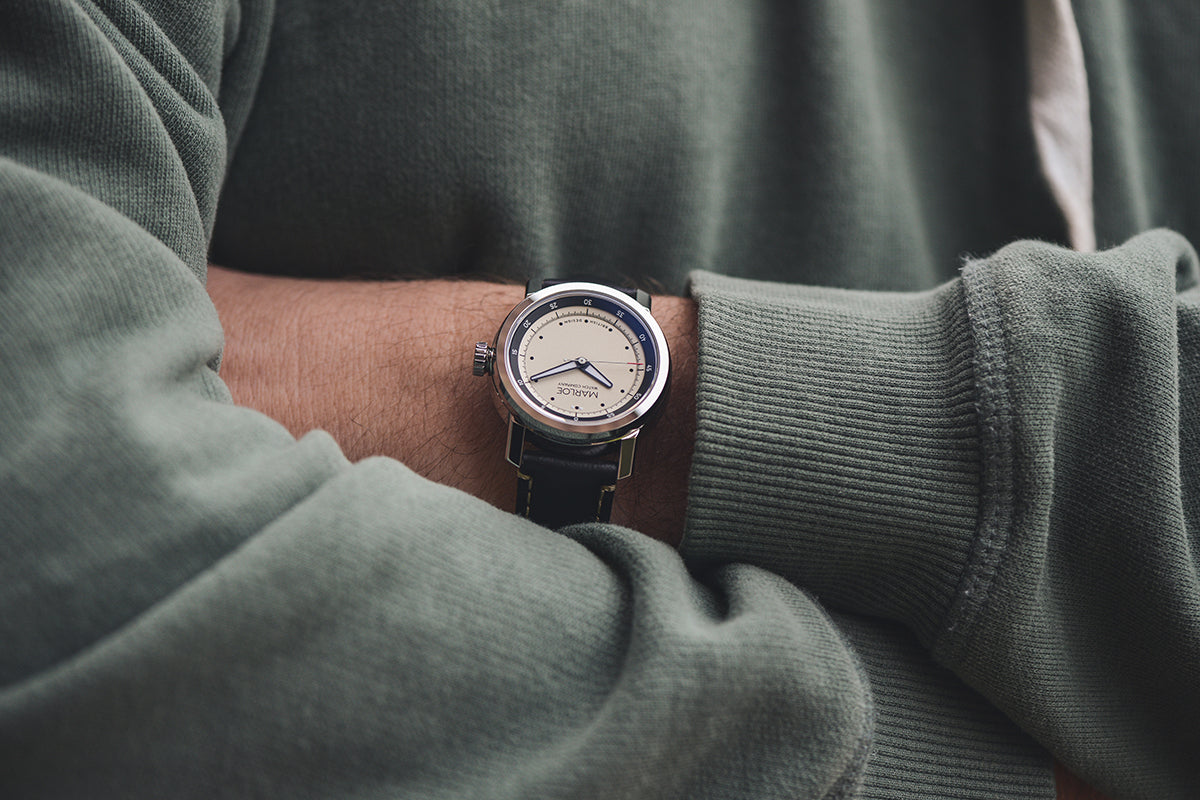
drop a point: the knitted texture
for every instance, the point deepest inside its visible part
(838, 442)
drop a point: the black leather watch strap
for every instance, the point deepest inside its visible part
(559, 486)
(556, 490)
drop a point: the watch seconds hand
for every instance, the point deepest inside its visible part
(566, 366)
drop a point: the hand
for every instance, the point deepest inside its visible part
(566, 366)
(588, 369)
(580, 364)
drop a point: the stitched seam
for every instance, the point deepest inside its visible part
(605, 492)
(528, 492)
(994, 406)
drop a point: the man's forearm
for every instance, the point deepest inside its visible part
(385, 368)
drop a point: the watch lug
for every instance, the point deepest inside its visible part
(516, 442)
(625, 461)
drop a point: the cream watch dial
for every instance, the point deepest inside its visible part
(583, 356)
(580, 362)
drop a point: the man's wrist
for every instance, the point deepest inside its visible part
(385, 368)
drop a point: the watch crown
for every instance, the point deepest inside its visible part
(484, 356)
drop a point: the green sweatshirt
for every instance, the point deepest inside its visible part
(942, 518)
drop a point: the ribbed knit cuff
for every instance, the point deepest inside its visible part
(837, 442)
(933, 736)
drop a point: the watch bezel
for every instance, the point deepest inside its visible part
(580, 432)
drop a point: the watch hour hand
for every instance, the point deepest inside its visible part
(589, 369)
(566, 366)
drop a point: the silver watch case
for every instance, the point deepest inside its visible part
(581, 433)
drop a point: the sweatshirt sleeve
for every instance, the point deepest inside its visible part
(194, 604)
(1007, 465)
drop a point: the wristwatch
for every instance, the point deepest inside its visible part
(580, 368)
